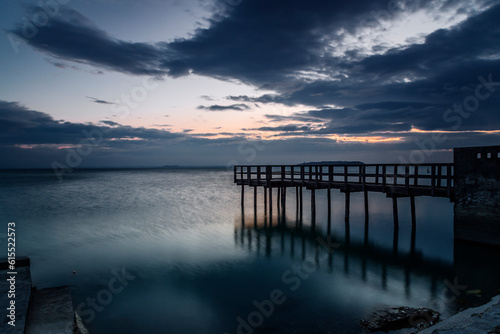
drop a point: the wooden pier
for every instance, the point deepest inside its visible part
(392, 179)
(472, 182)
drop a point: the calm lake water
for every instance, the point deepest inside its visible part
(172, 251)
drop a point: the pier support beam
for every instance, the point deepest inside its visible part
(413, 225)
(297, 206)
(395, 212)
(313, 208)
(328, 231)
(347, 213)
(301, 204)
(270, 207)
(265, 202)
(283, 201)
(242, 195)
(255, 206)
(278, 204)
(367, 216)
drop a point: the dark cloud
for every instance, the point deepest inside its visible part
(216, 107)
(93, 99)
(71, 36)
(22, 126)
(284, 128)
(298, 117)
(264, 43)
(111, 123)
(267, 98)
(473, 41)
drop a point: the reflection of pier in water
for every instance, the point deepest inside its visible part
(376, 265)
(350, 257)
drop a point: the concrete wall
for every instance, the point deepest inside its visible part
(477, 194)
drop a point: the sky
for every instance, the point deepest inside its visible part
(105, 83)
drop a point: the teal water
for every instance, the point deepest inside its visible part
(172, 251)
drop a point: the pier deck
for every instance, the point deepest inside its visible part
(394, 180)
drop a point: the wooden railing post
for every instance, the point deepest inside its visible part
(448, 180)
(384, 178)
(330, 175)
(439, 176)
(407, 179)
(269, 171)
(249, 174)
(415, 180)
(282, 173)
(433, 180)
(258, 174)
(345, 177)
(395, 176)
(376, 174)
(302, 175)
(235, 172)
(316, 175)
(363, 175)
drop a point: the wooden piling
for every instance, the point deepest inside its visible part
(367, 217)
(413, 225)
(265, 202)
(278, 204)
(347, 212)
(297, 200)
(395, 211)
(329, 212)
(347, 206)
(313, 208)
(270, 207)
(283, 199)
(367, 213)
(255, 200)
(301, 204)
(242, 195)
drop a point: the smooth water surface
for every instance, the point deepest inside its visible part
(172, 251)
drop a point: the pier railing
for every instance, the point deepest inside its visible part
(396, 179)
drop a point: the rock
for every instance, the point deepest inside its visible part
(399, 318)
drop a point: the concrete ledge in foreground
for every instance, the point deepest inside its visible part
(483, 319)
(51, 311)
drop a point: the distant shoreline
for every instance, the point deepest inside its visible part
(116, 168)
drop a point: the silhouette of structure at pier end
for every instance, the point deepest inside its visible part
(477, 208)
(471, 184)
